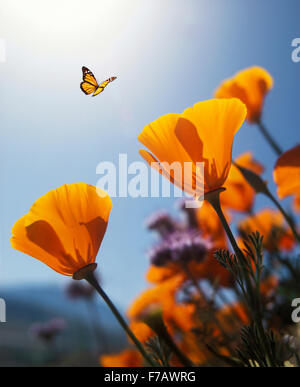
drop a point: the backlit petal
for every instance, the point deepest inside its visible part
(250, 86)
(65, 227)
(287, 173)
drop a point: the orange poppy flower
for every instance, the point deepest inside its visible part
(270, 224)
(195, 349)
(297, 203)
(158, 274)
(202, 133)
(126, 358)
(182, 315)
(250, 86)
(155, 298)
(239, 195)
(141, 330)
(209, 269)
(160, 301)
(287, 174)
(64, 228)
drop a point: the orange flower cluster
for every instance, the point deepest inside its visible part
(250, 86)
(239, 195)
(127, 358)
(287, 175)
(269, 223)
(65, 228)
(192, 324)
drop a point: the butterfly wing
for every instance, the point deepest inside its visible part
(89, 84)
(88, 76)
(102, 86)
(87, 88)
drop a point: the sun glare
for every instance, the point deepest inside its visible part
(66, 19)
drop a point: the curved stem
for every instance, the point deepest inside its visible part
(202, 296)
(164, 334)
(213, 198)
(255, 304)
(269, 138)
(91, 279)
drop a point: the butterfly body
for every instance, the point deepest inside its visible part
(90, 84)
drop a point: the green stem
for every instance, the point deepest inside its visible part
(289, 266)
(286, 216)
(213, 198)
(91, 279)
(235, 318)
(173, 347)
(156, 323)
(269, 138)
(203, 297)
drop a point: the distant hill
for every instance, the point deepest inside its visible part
(91, 328)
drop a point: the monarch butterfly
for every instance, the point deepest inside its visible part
(90, 84)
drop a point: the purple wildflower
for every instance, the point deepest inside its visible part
(161, 222)
(160, 254)
(180, 247)
(48, 331)
(188, 246)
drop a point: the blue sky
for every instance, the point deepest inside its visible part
(167, 55)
